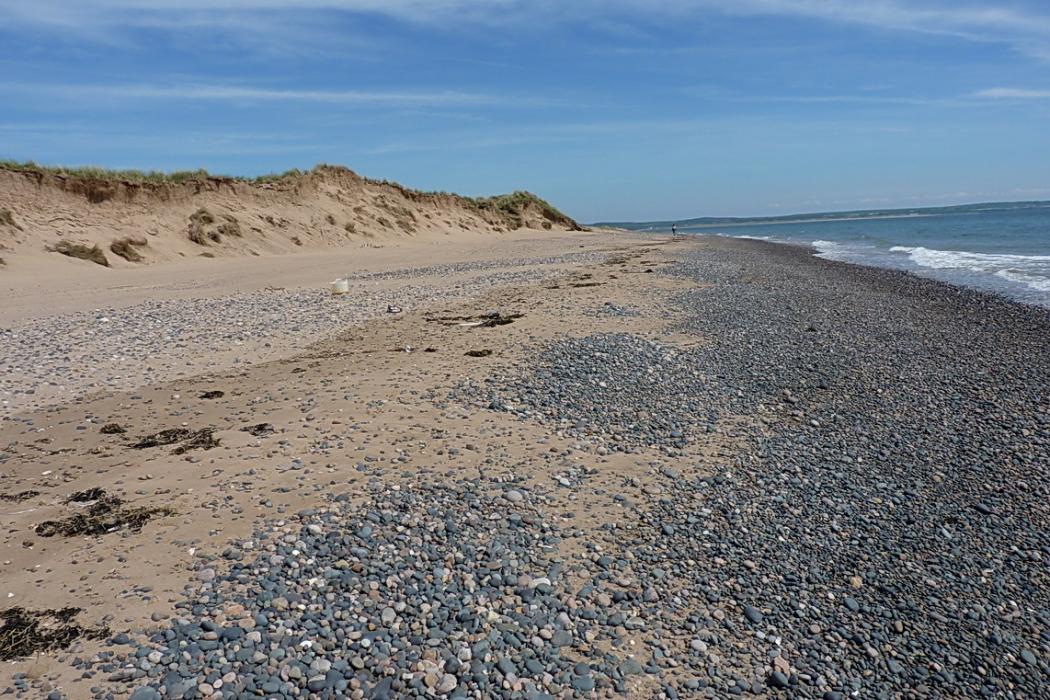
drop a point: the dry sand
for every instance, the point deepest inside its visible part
(363, 404)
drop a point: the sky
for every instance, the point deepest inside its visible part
(613, 110)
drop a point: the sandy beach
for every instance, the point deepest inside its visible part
(505, 350)
(569, 465)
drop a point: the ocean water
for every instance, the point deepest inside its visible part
(998, 248)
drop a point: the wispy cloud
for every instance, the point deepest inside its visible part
(1023, 27)
(962, 101)
(934, 17)
(235, 93)
(550, 133)
(619, 131)
(1025, 30)
(721, 95)
(1004, 93)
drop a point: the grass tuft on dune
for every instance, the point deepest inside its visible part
(81, 251)
(511, 205)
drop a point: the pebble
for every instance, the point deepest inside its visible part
(62, 357)
(873, 497)
(753, 614)
(876, 487)
(459, 587)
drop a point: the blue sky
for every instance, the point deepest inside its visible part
(612, 109)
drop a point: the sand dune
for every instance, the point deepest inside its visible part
(124, 220)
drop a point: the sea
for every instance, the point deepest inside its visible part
(1001, 248)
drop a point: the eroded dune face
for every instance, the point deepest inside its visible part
(118, 221)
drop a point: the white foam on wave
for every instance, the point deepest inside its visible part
(1032, 271)
(746, 237)
(830, 250)
(1036, 282)
(978, 262)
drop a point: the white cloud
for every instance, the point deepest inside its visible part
(288, 28)
(1026, 29)
(721, 95)
(1003, 93)
(942, 17)
(234, 93)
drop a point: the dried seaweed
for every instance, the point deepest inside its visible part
(106, 514)
(86, 496)
(164, 437)
(18, 497)
(26, 632)
(203, 439)
(489, 320)
(259, 430)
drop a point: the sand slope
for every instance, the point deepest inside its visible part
(142, 222)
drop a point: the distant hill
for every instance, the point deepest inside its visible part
(705, 221)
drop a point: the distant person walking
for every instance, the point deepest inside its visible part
(674, 231)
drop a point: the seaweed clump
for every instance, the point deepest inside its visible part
(105, 514)
(86, 496)
(26, 632)
(491, 319)
(164, 437)
(19, 497)
(203, 439)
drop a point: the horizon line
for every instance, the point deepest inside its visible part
(726, 220)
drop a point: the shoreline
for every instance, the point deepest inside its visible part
(803, 432)
(1001, 294)
(995, 294)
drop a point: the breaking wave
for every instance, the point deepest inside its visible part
(832, 250)
(1032, 271)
